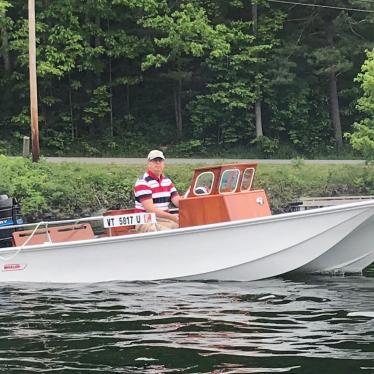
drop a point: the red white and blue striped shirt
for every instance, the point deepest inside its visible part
(149, 186)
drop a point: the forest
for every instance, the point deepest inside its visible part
(262, 78)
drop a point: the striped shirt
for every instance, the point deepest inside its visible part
(149, 186)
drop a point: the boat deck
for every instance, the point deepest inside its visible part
(306, 203)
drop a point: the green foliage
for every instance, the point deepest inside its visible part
(98, 106)
(224, 110)
(362, 139)
(186, 149)
(2, 148)
(115, 77)
(287, 183)
(43, 190)
(268, 147)
(184, 32)
(4, 5)
(298, 162)
(58, 141)
(22, 179)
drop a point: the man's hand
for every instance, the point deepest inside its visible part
(175, 218)
(151, 208)
(175, 200)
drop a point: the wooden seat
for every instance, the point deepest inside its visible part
(58, 234)
(19, 237)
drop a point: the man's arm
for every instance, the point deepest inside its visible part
(175, 199)
(151, 208)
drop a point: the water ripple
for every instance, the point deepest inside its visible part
(301, 325)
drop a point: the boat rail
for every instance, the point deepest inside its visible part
(47, 226)
(41, 225)
(306, 203)
(50, 223)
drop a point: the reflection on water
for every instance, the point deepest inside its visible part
(304, 325)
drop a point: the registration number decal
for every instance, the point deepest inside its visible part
(14, 267)
(129, 219)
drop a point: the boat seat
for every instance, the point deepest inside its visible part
(58, 234)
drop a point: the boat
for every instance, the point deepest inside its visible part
(227, 232)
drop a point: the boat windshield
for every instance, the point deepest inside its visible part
(204, 183)
(247, 179)
(229, 180)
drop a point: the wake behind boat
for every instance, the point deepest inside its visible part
(227, 233)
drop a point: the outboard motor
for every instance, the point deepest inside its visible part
(9, 215)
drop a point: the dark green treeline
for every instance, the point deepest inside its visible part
(121, 76)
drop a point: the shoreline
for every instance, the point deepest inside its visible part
(189, 161)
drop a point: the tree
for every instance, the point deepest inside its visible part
(333, 36)
(190, 70)
(362, 139)
(322, 48)
(223, 113)
(258, 114)
(4, 20)
(179, 36)
(5, 59)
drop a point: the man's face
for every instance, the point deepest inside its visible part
(156, 166)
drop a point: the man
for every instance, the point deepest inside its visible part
(154, 192)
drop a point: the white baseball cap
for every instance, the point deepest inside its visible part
(155, 154)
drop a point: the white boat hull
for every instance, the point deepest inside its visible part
(241, 250)
(351, 255)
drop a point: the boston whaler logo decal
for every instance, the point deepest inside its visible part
(14, 267)
(260, 200)
(148, 218)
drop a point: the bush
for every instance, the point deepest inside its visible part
(54, 191)
(266, 146)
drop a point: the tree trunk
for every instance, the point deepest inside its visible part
(128, 111)
(97, 24)
(259, 131)
(5, 46)
(334, 100)
(71, 109)
(258, 114)
(111, 130)
(33, 84)
(177, 91)
(97, 127)
(335, 115)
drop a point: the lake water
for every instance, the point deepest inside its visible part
(314, 324)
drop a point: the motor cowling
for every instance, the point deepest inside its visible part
(9, 215)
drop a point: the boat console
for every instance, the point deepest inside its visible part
(222, 193)
(217, 194)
